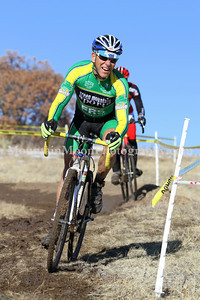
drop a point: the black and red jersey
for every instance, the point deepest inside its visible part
(134, 94)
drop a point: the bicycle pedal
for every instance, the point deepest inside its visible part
(88, 220)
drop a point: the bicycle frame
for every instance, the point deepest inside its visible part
(82, 170)
(74, 203)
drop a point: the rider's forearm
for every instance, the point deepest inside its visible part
(122, 119)
(139, 105)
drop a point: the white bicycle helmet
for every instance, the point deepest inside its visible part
(107, 45)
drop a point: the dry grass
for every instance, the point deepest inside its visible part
(120, 254)
(23, 168)
(12, 211)
(125, 252)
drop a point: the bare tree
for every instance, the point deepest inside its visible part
(27, 89)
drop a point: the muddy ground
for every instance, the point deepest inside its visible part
(21, 272)
(23, 259)
(120, 254)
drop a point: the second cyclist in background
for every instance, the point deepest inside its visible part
(134, 97)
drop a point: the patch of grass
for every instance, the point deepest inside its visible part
(12, 211)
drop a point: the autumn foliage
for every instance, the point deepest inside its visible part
(27, 89)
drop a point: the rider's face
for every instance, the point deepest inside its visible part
(104, 67)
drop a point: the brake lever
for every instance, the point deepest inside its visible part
(143, 126)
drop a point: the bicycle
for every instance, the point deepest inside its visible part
(128, 177)
(73, 211)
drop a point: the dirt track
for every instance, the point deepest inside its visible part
(120, 253)
(22, 258)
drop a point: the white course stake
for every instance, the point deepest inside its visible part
(157, 159)
(160, 274)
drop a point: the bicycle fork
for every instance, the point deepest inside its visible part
(78, 191)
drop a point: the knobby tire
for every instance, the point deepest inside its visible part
(131, 172)
(76, 236)
(124, 179)
(60, 230)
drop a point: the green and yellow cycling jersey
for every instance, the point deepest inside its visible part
(97, 100)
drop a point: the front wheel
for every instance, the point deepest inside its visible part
(76, 236)
(61, 221)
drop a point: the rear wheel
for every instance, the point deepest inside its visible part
(60, 224)
(131, 172)
(124, 179)
(77, 234)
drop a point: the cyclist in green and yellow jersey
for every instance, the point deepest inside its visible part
(102, 106)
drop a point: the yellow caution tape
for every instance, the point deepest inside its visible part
(22, 132)
(37, 133)
(166, 145)
(165, 186)
(161, 191)
(145, 141)
(26, 126)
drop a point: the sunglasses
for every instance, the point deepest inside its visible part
(112, 60)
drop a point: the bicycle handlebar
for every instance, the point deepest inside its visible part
(80, 139)
(141, 124)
